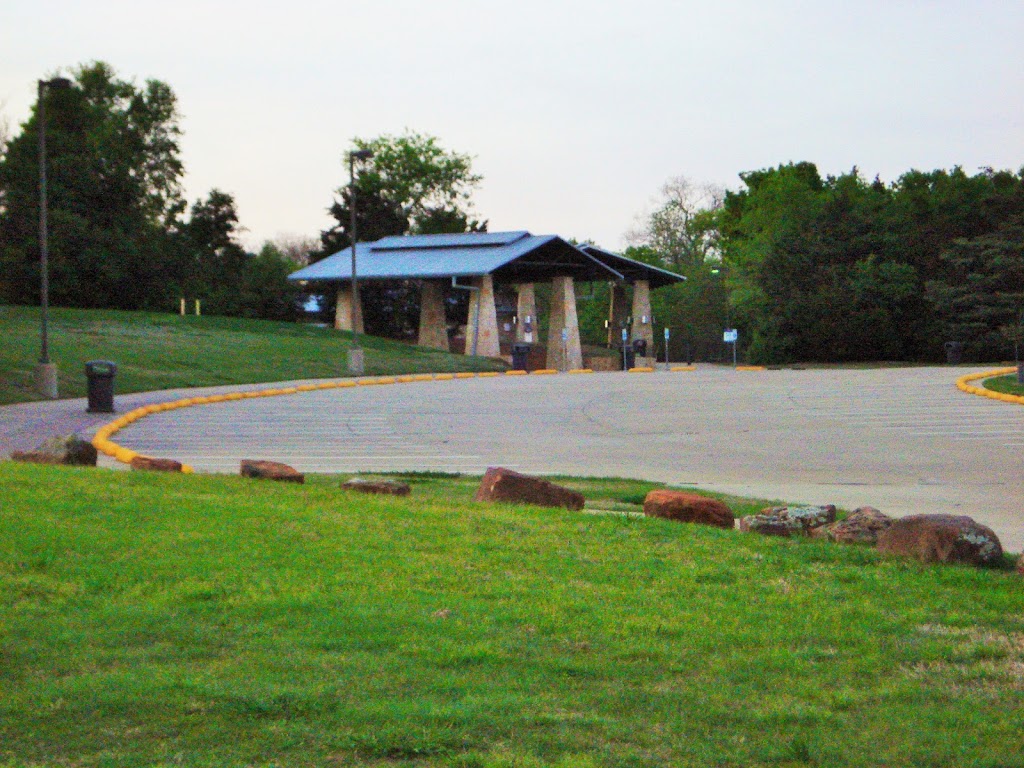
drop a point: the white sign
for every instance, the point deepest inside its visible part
(731, 335)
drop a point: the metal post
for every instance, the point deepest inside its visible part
(46, 372)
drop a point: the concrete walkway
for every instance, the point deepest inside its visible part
(903, 440)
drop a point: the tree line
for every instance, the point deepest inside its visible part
(845, 269)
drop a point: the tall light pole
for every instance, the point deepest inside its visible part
(46, 372)
(356, 361)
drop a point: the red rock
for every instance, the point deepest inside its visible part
(155, 465)
(386, 487)
(688, 508)
(69, 449)
(942, 539)
(271, 470)
(862, 526)
(499, 484)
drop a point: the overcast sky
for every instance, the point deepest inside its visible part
(575, 112)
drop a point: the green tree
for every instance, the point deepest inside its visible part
(114, 193)
(411, 185)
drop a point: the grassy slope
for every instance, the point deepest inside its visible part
(162, 351)
(149, 619)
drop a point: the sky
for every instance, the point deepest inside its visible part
(575, 113)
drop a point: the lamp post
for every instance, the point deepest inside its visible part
(46, 372)
(356, 361)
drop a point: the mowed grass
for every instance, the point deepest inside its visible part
(1005, 384)
(166, 620)
(165, 351)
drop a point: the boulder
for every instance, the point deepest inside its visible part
(271, 470)
(789, 521)
(386, 487)
(862, 526)
(688, 508)
(499, 484)
(70, 450)
(155, 465)
(941, 539)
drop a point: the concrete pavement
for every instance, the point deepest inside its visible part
(903, 440)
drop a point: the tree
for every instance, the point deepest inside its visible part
(114, 193)
(681, 229)
(216, 261)
(412, 185)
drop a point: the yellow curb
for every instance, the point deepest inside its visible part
(581, 370)
(346, 383)
(444, 377)
(750, 368)
(405, 379)
(286, 391)
(304, 388)
(368, 382)
(423, 377)
(683, 368)
(642, 369)
(489, 374)
(465, 375)
(516, 373)
(544, 372)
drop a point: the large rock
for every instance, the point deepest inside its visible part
(499, 484)
(942, 539)
(385, 487)
(271, 470)
(69, 450)
(155, 465)
(862, 526)
(688, 508)
(789, 521)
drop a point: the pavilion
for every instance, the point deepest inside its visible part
(477, 261)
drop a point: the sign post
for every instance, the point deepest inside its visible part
(731, 337)
(666, 347)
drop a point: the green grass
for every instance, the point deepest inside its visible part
(1005, 384)
(166, 620)
(163, 351)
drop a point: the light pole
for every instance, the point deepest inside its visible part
(731, 336)
(46, 372)
(356, 361)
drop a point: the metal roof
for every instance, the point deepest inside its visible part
(511, 257)
(633, 270)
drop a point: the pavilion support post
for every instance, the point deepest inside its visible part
(643, 322)
(618, 311)
(482, 325)
(343, 313)
(433, 329)
(564, 350)
(526, 313)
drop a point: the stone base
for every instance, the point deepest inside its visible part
(356, 361)
(46, 380)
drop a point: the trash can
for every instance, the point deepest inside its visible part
(100, 376)
(640, 347)
(954, 351)
(628, 357)
(520, 357)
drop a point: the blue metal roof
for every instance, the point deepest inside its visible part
(438, 256)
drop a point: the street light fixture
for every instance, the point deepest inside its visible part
(46, 372)
(356, 361)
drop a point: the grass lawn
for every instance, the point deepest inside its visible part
(151, 619)
(1005, 384)
(164, 351)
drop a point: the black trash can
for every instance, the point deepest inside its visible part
(954, 351)
(100, 376)
(520, 357)
(628, 356)
(640, 347)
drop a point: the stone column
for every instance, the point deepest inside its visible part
(433, 329)
(641, 312)
(567, 354)
(343, 310)
(481, 303)
(526, 312)
(618, 311)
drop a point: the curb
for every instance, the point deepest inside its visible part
(964, 385)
